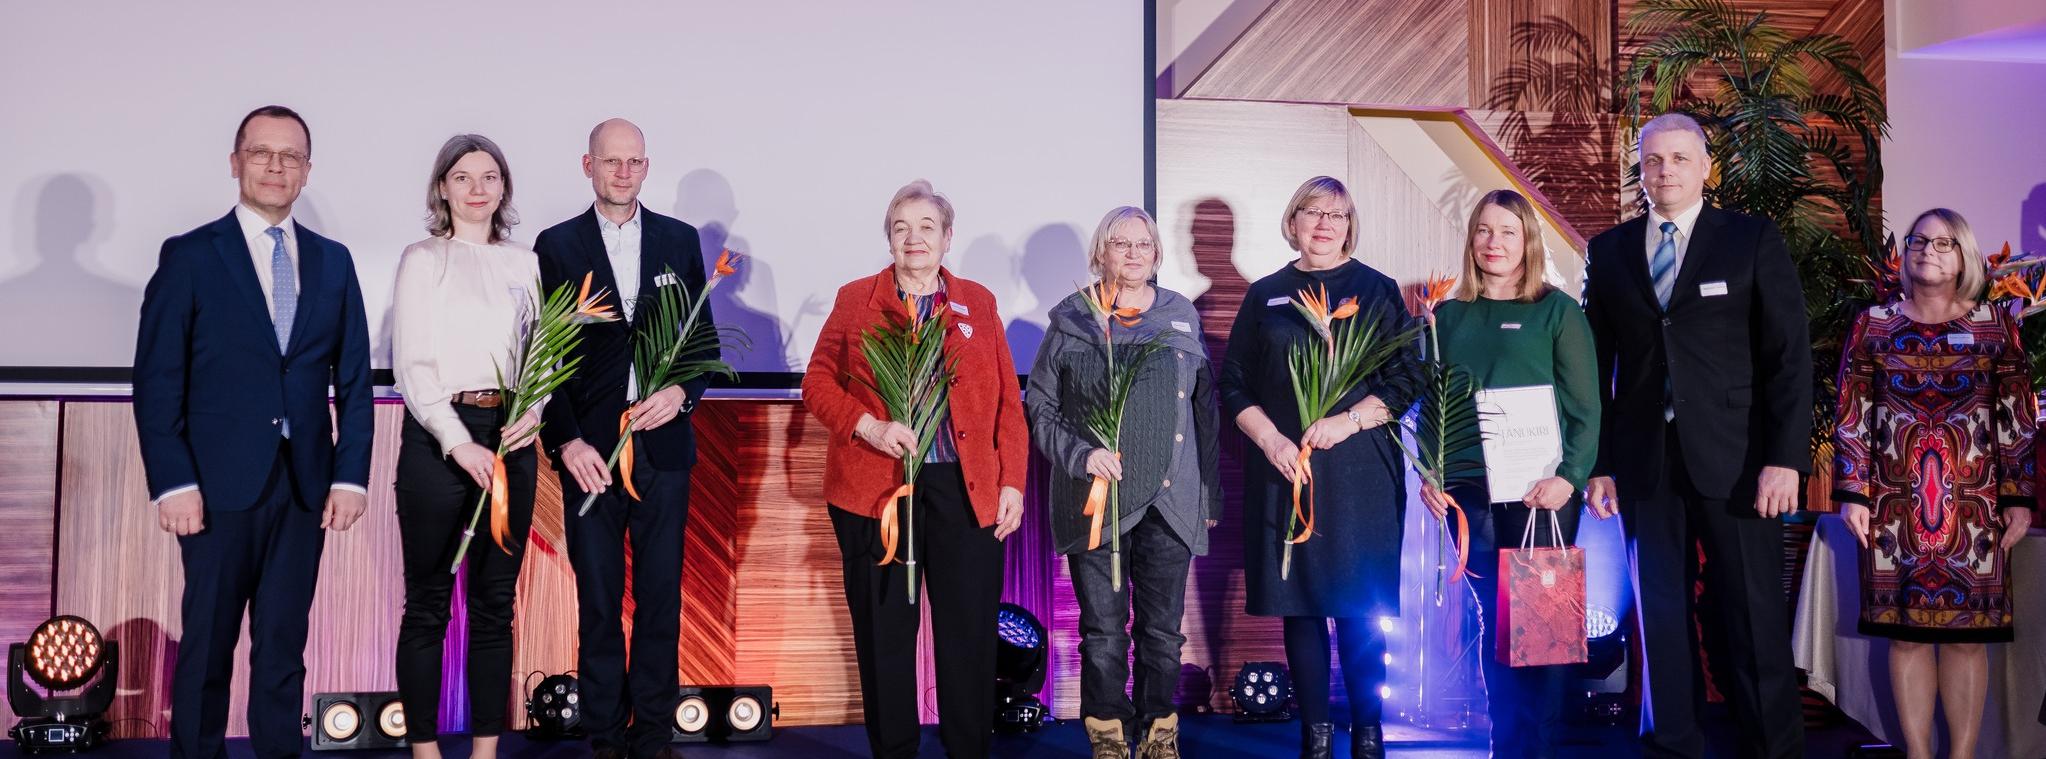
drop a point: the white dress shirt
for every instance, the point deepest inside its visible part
(621, 246)
(456, 320)
(1686, 221)
(255, 234)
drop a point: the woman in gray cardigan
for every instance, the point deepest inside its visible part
(1170, 492)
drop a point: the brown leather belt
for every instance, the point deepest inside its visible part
(480, 398)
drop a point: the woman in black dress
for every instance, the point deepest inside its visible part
(1349, 570)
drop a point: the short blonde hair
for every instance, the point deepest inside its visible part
(1319, 187)
(1097, 251)
(1534, 263)
(1974, 279)
(910, 193)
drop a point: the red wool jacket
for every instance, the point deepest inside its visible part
(986, 403)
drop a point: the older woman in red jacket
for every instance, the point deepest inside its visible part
(969, 493)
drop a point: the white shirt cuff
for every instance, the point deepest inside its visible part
(350, 487)
(159, 499)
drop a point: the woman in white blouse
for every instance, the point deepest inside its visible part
(463, 294)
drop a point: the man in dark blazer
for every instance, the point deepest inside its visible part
(1705, 369)
(245, 324)
(631, 251)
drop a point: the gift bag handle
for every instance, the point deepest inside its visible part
(1555, 529)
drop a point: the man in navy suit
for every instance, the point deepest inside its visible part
(245, 324)
(630, 252)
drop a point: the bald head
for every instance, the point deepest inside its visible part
(616, 166)
(617, 129)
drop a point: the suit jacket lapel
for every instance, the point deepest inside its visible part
(653, 261)
(1704, 235)
(1634, 258)
(240, 266)
(312, 267)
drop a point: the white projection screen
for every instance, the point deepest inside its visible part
(778, 128)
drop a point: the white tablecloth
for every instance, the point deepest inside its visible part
(1852, 669)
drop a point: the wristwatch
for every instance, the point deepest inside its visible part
(1355, 419)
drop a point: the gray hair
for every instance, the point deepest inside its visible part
(1671, 122)
(910, 193)
(1097, 251)
(439, 219)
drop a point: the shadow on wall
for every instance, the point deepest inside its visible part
(1557, 127)
(1054, 265)
(2031, 223)
(704, 198)
(69, 217)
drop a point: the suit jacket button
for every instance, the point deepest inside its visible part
(277, 421)
(1165, 484)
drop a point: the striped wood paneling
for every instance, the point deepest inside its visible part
(1348, 51)
(28, 517)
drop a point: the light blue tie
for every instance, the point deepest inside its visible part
(283, 290)
(1663, 267)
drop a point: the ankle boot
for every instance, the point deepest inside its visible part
(1106, 738)
(1162, 740)
(1367, 742)
(1317, 741)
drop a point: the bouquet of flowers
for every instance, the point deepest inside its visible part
(543, 362)
(1347, 352)
(911, 375)
(1105, 421)
(1445, 425)
(665, 354)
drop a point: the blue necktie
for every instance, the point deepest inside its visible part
(284, 290)
(1663, 267)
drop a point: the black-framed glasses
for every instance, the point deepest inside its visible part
(1119, 245)
(1313, 214)
(1915, 243)
(263, 156)
(633, 165)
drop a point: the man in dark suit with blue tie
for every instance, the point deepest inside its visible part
(245, 324)
(630, 252)
(1705, 369)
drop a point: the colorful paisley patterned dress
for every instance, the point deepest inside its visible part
(1935, 437)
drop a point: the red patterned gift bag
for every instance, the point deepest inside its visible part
(1541, 600)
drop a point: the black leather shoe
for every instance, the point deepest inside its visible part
(1317, 741)
(1367, 742)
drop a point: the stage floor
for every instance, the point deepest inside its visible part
(1202, 736)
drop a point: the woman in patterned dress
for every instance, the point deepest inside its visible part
(1933, 471)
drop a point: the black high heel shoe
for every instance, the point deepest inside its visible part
(1317, 741)
(1367, 742)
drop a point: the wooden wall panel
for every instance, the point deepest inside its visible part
(1542, 55)
(28, 517)
(1348, 51)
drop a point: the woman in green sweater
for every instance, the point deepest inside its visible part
(1510, 329)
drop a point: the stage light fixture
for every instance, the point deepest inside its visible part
(724, 713)
(554, 708)
(1262, 693)
(1020, 660)
(346, 721)
(75, 668)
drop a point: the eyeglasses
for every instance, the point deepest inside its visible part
(263, 156)
(1316, 215)
(1915, 243)
(634, 165)
(1120, 245)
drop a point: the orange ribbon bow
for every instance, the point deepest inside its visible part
(625, 454)
(1305, 477)
(889, 521)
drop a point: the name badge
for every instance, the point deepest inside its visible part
(1510, 325)
(1279, 301)
(966, 329)
(1710, 289)
(960, 308)
(1182, 326)
(1961, 338)
(665, 279)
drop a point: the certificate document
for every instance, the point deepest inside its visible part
(1523, 440)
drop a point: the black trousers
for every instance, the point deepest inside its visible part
(629, 709)
(1525, 703)
(264, 560)
(1154, 566)
(1362, 648)
(435, 499)
(1748, 616)
(960, 562)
